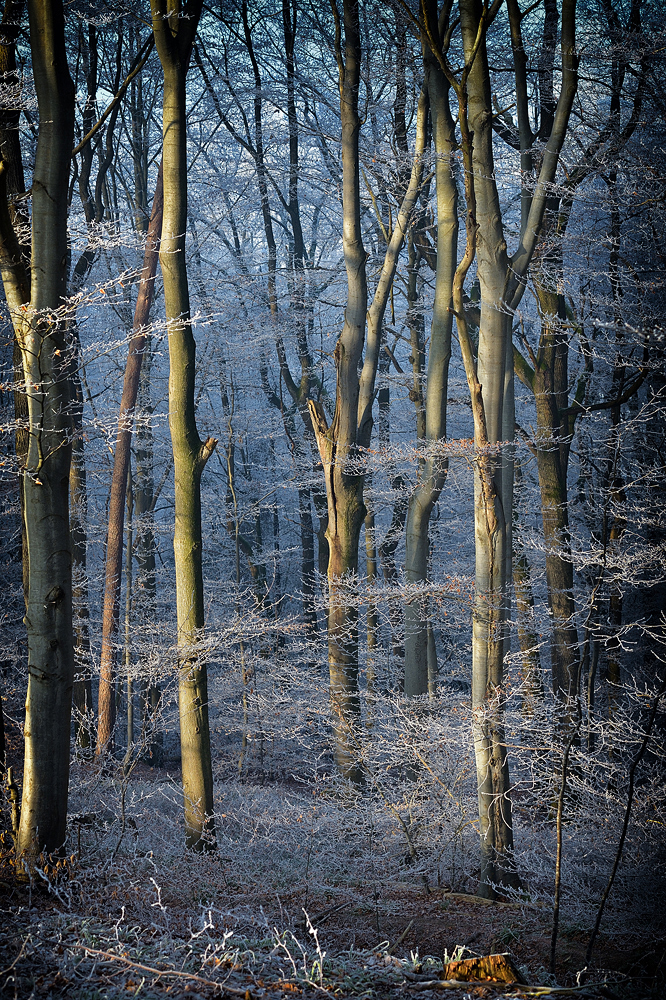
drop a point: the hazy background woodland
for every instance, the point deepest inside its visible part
(425, 652)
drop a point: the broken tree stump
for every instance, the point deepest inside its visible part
(489, 968)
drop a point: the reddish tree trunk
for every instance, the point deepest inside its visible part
(114, 542)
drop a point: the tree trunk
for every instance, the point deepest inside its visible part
(373, 644)
(121, 458)
(82, 690)
(532, 692)
(432, 471)
(490, 380)
(12, 161)
(150, 694)
(46, 476)
(174, 36)
(307, 562)
(492, 505)
(351, 427)
(338, 443)
(550, 382)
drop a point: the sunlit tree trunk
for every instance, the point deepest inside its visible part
(174, 30)
(351, 428)
(338, 444)
(41, 336)
(432, 471)
(490, 379)
(502, 283)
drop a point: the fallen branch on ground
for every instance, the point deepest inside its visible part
(161, 973)
(518, 990)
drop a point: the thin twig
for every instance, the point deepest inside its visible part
(558, 861)
(16, 960)
(174, 973)
(399, 940)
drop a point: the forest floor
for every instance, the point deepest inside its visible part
(385, 947)
(150, 927)
(306, 896)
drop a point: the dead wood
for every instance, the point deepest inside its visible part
(494, 968)
(161, 973)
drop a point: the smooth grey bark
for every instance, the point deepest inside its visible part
(502, 282)
(338, 444)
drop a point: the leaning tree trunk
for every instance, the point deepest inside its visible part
(121, 459)
(41, 336)
(432, 472)
(174, 36)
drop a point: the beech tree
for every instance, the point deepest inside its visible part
(174, 32)
(341, 441)
(39, 317)
(490, 377)
(544, 368)
(432, 469)
(121, 458)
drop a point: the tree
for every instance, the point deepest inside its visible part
(433, 468)
(490, 379)
(36, 304)
(341, 443)
(174, 32)
(121, 460)
(544, 369)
